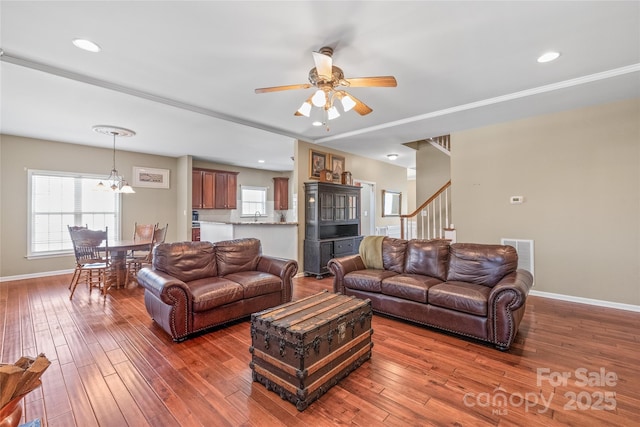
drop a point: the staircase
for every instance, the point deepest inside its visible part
(432, 220)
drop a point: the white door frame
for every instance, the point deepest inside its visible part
(371, 207)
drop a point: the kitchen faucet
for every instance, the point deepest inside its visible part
(255, 216)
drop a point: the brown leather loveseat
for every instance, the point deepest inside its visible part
(475, 290)
(192, 286)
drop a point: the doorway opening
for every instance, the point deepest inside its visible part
(367, 207)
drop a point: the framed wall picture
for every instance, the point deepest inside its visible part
(318, 162)
(150, 177)
(337, 167)
(391, 203)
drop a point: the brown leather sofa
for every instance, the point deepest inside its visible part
(192, 286)
(469, 289)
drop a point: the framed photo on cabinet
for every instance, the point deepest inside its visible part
(337, 167)
(318, 162)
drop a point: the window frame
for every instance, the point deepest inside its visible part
(263, 213)
(114, 233)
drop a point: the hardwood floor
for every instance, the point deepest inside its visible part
(112, 366)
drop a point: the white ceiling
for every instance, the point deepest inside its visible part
(183, 74)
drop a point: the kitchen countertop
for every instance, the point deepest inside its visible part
(278, 239)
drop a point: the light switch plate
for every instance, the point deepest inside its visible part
(516, 200)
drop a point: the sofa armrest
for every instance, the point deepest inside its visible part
(283, 268)
(340, 267)
(506, 307)
(517, 284)
(163, 286)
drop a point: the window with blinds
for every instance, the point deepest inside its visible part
(59, 199)
(254, 200)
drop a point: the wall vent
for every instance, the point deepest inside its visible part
(381, 231)
(390, 230)
(525, 252)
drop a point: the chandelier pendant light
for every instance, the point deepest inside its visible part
(115, 182)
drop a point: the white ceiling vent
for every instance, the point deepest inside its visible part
(525, 252)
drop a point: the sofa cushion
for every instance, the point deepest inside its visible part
(414, 287)
(460, 296)
(481, 264)
(237, 255)
(366, 280)
(393, 253)
(185, 261)
(213, 292)
(256, 283)
(427, 257)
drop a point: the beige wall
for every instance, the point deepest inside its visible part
(433, 170)
(384, 175)
(579, 174)
(183, 203)
(20, 154)
(411, 196)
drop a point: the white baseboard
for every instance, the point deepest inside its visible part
(581, 300)
(35, 275)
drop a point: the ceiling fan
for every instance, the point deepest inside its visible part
(328, 78)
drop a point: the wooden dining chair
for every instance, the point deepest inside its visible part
(91, 248)
(74, 228)
(137, 259)
(143, 231)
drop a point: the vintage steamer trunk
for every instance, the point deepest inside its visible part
(303, 348)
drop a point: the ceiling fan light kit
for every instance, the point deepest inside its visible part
(319, 99)
(326, 77)
(332, 113)
(305, 109)
(347, 102)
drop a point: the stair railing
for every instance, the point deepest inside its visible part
(431, 219)
(442, 143)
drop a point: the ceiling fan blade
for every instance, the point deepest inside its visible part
(278, 88)
(324, 64)
(381, 81)
(360, 107)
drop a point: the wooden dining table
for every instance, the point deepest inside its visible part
(118, 269)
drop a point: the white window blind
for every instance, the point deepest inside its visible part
(59, 199)
(254, 199)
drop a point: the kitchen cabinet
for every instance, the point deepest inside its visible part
(332, 224)
(196, 189)
(280, 193)
(202, 189)
(214, 189)
(195, 234)
(226, 190)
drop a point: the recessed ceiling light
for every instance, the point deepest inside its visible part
(548, 57)
(260, 161)
(392, 156)
(316, 123)
(87, 45)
